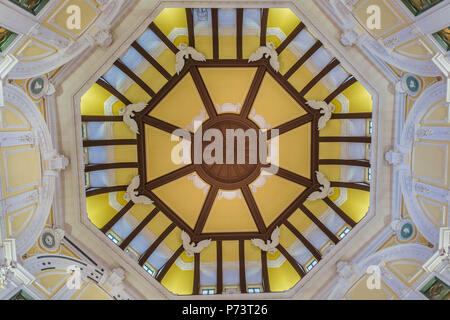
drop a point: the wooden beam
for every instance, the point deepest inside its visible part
(228, 236)
(242, 280)
(303, 59)
(315, 145)
(138, 229)
(239, 32)
(156, 243)
(112, 142)
(106, 166)
(151, 60)
(105, 85)
(203, 92)
(119, 64)
(293, 177)
(351, 185)
(196, 288)
(253, 207)
(162, 272)
(339, 211)
(361, 115)
(290, 37)
(345, 162)
(333, 64)
(291, 125)
(93, 191)
(263, 34)
(253, 92)
(215, 33)
(219, 270)
(347, 83)
(171, 176)
(319, 223)
(352, 139)
(301, 272)
(190, 27)
(117, 217)
(101, 118)
(206, 209)
(264, 271)
(163, 37)
(303, 240)
(163, 125)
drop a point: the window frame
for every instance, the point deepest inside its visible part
(342, 231)
(416, 12)
(34, 11)
(213, 289)
(115, 236)
(9, 39)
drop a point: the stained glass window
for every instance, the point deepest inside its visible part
(6, 37)
(32, 6)
(419, 6)
(443, 37)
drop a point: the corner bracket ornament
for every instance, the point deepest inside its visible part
(132, 194)
(326, 110)
(184, 53)
(394, 158)
(344, 269)
(269, 245)
(325, 189)
(349, 38)
(56, 162)
(191, 247)
(266, 52)
(129, 112)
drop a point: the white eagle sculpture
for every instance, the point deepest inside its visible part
(265, 52)
(132, 195)
(325, 109)
(191, 247)
(325, 189)
(271, 245)
(185, 52)
(128, 113)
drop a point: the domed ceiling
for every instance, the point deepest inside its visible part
(200, 225)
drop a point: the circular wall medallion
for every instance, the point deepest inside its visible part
(412, 84)
(406, 231)
(51, 238)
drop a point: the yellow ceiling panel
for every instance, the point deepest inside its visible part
(252, 252)
(282, 278)
(295, 150)
(230, 250)
(300, 221)
(209, 254)
(158, 224)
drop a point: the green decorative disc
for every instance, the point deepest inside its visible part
(48, 240)
(406, 231)
(413, 84)
(36, 86)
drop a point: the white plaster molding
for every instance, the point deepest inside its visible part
(266, 52)
(269, 245)
(325, 188)
(190, 247)
(129, 113)
(132, 194)
(326, 110)
(186, 52)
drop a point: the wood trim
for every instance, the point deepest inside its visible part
(93, 191)
(101, 118)
(242, 280)
(163, 125)
(351, 185)
(156, 243)
(291, 125)
(105, 85)
(119, 64)
(303, 59)
(138, 229)
(318, 223)
(112, 142)
(253, 92)
(203, 92)
(345, 162)
(169, 263)
(263, 34)
(206, 209)
(106, 166)
(340, 212)
(169, 177)
(215, 33)
(151, 60)
(219, 270)
(303, 240)
(117, 217)
(361, 115)
(163, 37)
(333, 64)
(301, 272)
(253, 207)
(347, 83)
(264, 272)
(196, 287)
(353, 139)
(239, 32)
(293, 177)
(190, 27)
(315, 146)
(225, 236)
(290, 37)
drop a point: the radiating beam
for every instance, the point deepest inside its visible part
(219, 259)
(206, 209)
(111, 142)
(242, 280)
(162, 125)
(196, 288)
(239, 32)
(352, 139)
(303, 59)
(215, 33)
(291, 125)
(119, 64)
(301, 272)
(169, 177)
(151, 60)
(105, 85)
(361, 115)
(340, 212)
(163, 37)
(333, 64)
(117, 217)
(253, 92)
(101, 118)
(156, 243)
(345, 162)
(318, 223)
(203, 92)
(290, 37)
(263, 34)
(293, 177)
(169, 263)
(264, 271)
(138, 229)
(106, 166)
(347, 83)
(304, 241)
(351, 185)
(253, 207)
(190, 27)
(93, 191)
